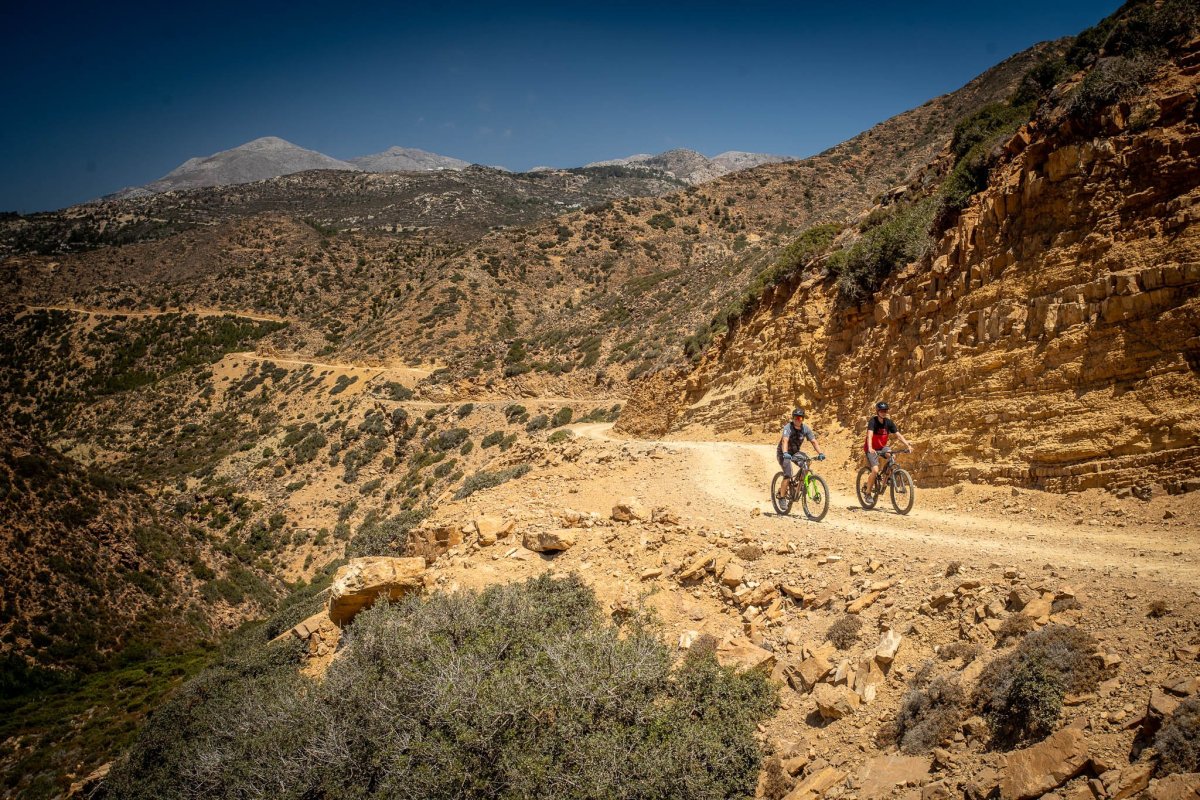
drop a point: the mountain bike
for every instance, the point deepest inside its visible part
(896, 480)
(806, 486)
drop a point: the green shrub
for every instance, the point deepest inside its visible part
(976, 137)
(492, 439)
(561, 417)
(903, 238)
(559, 437)
(661, 221)
(982, 126)
(514, 411)
(1110, 81)
(1021, 693)
(844, 633)
(486, 480)
(396, 391)
(930, 713)
(465, 410)
(449, 440)
(1178, 740)
(537, 423)
(518, 691)
(383, 537)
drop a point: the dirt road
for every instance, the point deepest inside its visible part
(193, 312)
(1092, 531)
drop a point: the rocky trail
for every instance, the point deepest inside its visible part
(730, 479)
(684, 531)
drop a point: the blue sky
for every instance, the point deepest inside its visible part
(102, 96)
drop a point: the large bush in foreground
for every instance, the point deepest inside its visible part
(519, 691)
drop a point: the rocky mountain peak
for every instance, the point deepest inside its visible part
(406, 159)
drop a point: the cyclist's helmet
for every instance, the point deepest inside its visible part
(881, 406)
(797, 412)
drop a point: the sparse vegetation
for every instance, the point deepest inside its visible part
(1158, 608)
(1178, 740)
(1021, 693)
(486, 480)
(903, 237)
(844, 632)
(930, 712)
(966, 651)
(535, 656)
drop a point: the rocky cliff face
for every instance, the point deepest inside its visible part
(1051, 338)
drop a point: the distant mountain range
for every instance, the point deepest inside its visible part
(272, 157)
(692, 167)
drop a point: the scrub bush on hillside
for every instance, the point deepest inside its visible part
(518, 691)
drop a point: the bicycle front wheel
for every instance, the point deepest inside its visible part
(816, 498)
(783, 505)
(903, 492)
(862, 485)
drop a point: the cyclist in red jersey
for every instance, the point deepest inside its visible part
(879, 427)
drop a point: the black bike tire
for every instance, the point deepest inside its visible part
(869, 499)
(824, 493)
(783, 505)
(898, 476)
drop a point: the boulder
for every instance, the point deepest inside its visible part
(879, 776)
(810, 672)
(1181, 786)
(550, 541)
(357, 584)
(1039, 608)
(662, 516)
(816, 784)
(1129, 781)
(835, 702)
(1020, 596)
(889, 643)
(742, 652)
(630, 510)
(733, 575)
(491, 528)
(867, 676)
(696, 569)
(1036, 770)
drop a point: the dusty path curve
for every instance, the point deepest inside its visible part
(729, 482)
(196, 312)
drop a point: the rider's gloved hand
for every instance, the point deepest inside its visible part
(821, 457)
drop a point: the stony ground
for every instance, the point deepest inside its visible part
(717, 560)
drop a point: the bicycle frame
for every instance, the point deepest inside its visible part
(806, 474)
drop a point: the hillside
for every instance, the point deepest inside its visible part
(604, 295)
(1048, 337)
(554, 395)
(464, 204)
